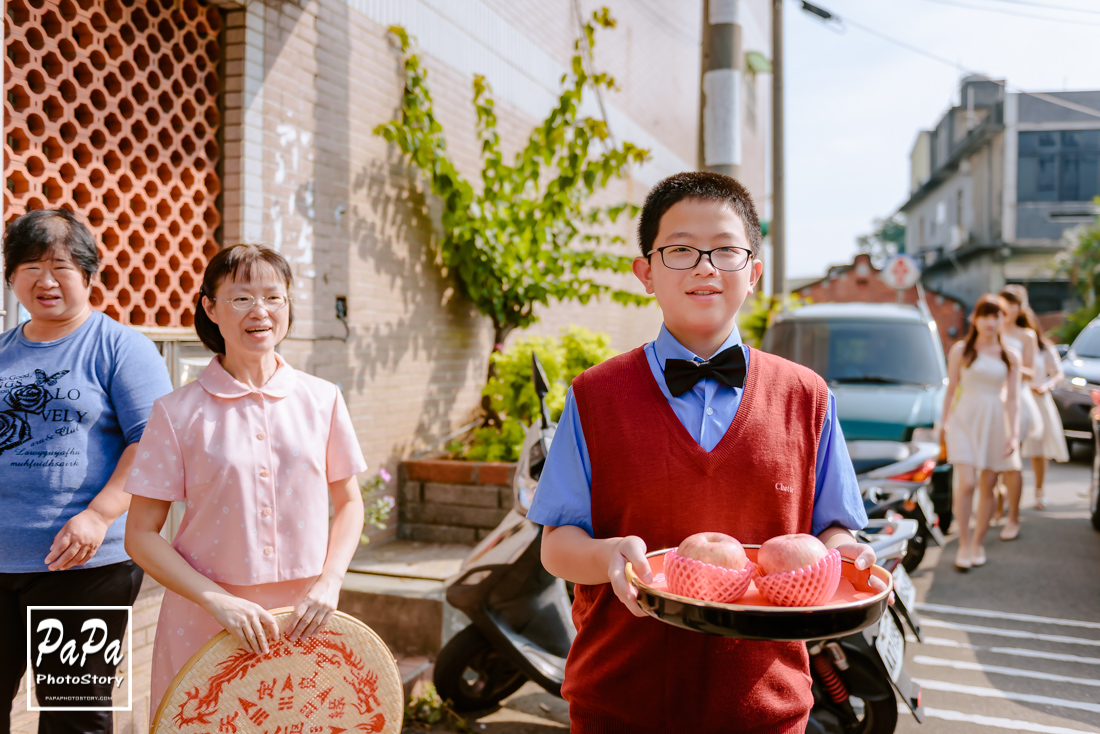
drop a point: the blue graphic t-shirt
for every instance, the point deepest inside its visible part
(68, 409)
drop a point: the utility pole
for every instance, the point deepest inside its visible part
(777, 228)
(720, 89)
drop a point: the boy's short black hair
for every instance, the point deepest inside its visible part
(696, 185)
(234, 261)
(36, 234)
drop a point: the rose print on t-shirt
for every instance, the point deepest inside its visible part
(13, 430)
(30, 399)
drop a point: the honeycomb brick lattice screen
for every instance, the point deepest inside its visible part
(111, 109)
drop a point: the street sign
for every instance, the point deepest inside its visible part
(900, 272)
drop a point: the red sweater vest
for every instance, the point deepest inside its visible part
(651, 479)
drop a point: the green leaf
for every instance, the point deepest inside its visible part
(515, 242)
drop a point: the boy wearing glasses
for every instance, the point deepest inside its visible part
(693, 432)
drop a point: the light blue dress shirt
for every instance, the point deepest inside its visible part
(564, 495)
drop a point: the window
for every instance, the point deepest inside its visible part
(1059, 165)
(854, 351)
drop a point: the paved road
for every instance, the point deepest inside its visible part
(1010, 647)
(1015, 645)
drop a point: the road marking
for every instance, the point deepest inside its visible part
(936, 685)
(1018, 651)
(1000, 670)
(1001, 632)
(979, 720)
(990, 614)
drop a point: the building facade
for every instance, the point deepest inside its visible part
(996, 184)
(860, 282)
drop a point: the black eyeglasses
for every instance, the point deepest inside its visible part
(683, 257)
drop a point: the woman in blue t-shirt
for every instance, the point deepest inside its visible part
(76, 388)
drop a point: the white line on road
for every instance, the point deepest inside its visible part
(1000, 632)
(990, 614)
(979, 720)
(1017, 651)
(936, 685)
(999, 670)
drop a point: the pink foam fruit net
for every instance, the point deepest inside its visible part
(700, 580)
(850, 585)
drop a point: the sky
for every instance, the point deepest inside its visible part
(855, 102)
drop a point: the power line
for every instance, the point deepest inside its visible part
(1014, 13)
(830, 17)
(1048, 7)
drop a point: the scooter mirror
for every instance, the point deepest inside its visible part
(542, 387)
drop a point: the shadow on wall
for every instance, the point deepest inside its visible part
(437, 325)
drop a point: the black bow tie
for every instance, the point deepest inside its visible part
(728, 367)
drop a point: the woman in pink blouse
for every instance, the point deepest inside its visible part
(256, 449)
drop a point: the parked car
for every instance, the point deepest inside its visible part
(1082, 367)
(886, 368)
(883, 362)
(1094, 484)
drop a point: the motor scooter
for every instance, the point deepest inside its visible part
(521, 628)
(896, 477)
(858, 678)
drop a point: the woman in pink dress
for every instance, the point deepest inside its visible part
(256, 449)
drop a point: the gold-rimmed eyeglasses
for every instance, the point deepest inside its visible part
(247, 303)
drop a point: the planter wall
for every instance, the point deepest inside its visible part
(444, 501)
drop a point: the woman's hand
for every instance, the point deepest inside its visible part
(77, 541)
(250, 623)
(315, 609)
(630, 549)
(1010, 446)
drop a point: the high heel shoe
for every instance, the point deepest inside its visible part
(1040, 499)
(978, 558)
(962, 561)
(1010, 532)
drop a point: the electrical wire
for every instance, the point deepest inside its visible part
(1017, 14)
(834, 18)
(1048, 7)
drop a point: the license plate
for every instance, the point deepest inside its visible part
(890, 644)
(903, 587)
(926, 505)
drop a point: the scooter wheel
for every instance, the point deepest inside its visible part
(879, 717)
(472, 674)
(873, 717)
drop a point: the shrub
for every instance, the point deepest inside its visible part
(512, 394)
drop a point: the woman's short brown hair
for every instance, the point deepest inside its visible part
(233, 262)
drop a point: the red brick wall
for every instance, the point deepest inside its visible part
(859, 282)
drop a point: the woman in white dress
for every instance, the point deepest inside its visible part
(1050, 443)
(1022, 341)
(981, 421)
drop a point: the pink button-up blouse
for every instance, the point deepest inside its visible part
(253, 467)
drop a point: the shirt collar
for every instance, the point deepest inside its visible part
(219, 383)
(666, 346)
